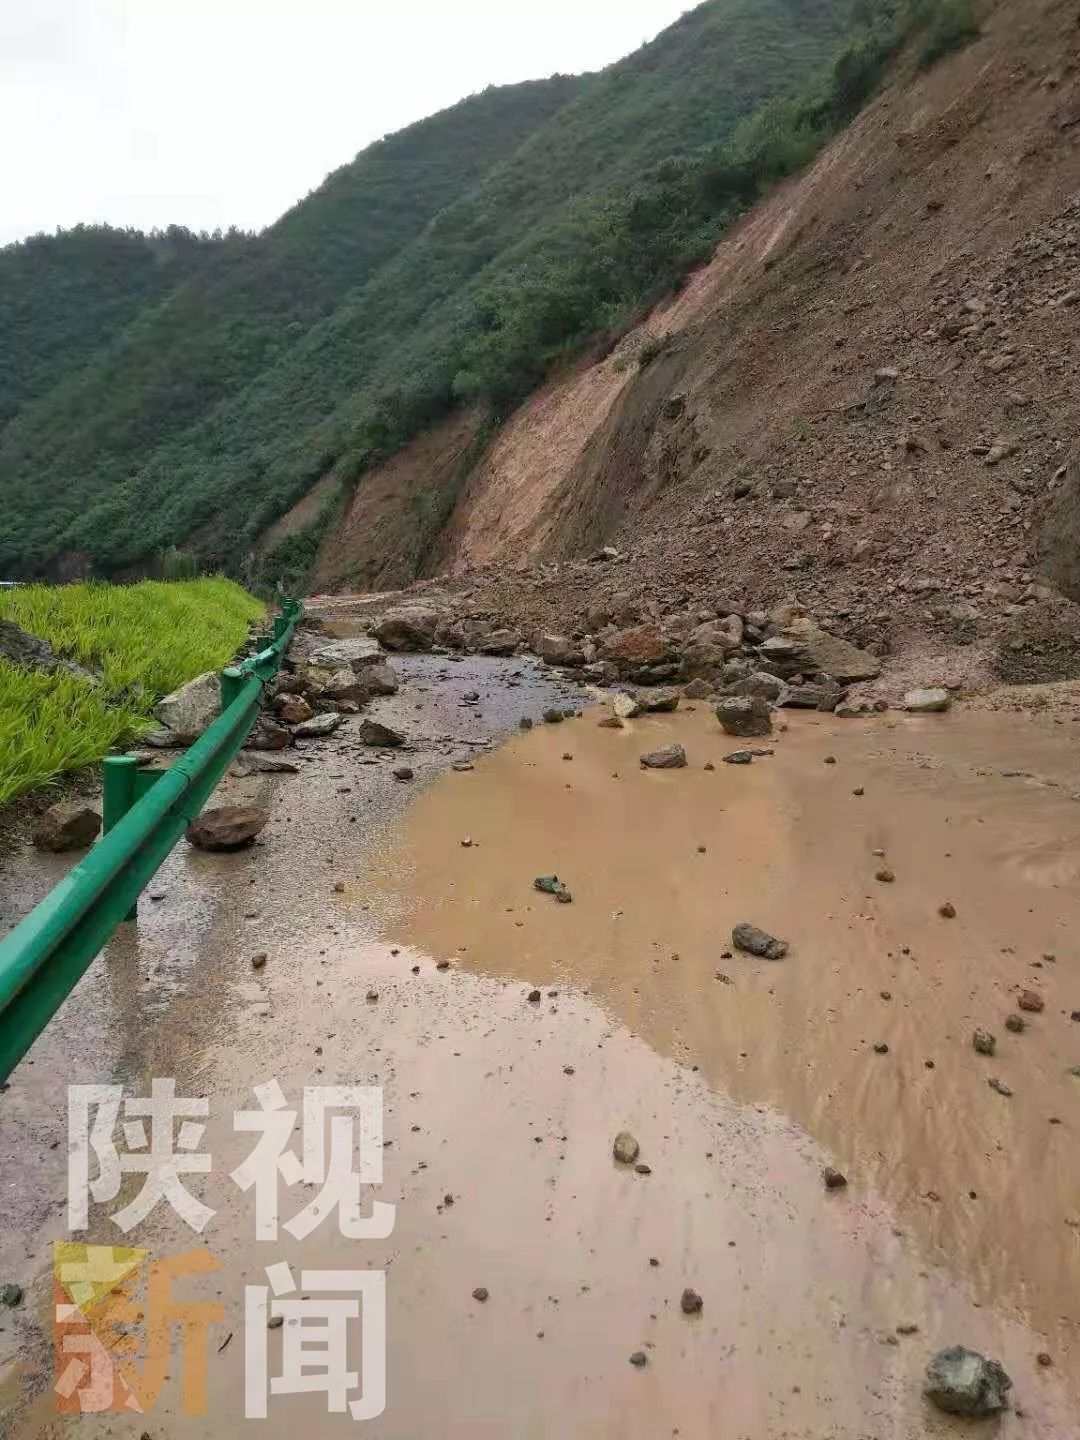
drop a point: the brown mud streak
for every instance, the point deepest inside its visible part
(989, 1185)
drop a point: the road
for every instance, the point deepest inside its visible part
(525, 1267)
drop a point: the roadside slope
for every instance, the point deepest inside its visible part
(863, 400)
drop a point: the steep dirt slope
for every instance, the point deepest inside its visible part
(863, 400)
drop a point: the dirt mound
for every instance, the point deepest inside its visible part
(861, 403)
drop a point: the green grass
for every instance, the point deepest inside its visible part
(141, 640)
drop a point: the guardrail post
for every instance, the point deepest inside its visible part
(232, 682)
(118, 782)
(281, 624)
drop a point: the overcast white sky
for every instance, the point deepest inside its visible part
(223, 112)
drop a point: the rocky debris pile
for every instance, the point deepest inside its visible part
(67, 826)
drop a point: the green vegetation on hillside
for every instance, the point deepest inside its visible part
(141, 640)
(454, 261)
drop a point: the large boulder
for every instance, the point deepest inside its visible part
(407, 630)
(813, 651)
(355, 654)
(760, 682)
(744, 715)
(640, 645)
(188, 711)
(228, 827)
(927, 702)
(823, 694)
(500, 642)
(707, 648)
(558, 650)
(63, 827)
(963, 1382)
(671, 757)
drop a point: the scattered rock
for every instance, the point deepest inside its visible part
(534, 997)
(610, 722)
(558, 650)
(753, 941)
(11, 1295)
(1000, 1087)
(885, 876)
(699, 689)
(983, 1042)
(480, 1294)
(881, 1048)
(660, 701)
(947, 911)
(318, 726)
(267, 734)
(1016, 1024)
(293, 709)
(739, 757)
(963, 1382)
(744, 715)
(553, 716)
(226, 827)
(374, 733)
(1033, 1003)
(625, 1149)
(834, 1179)
(259, 960)
(815, 652)
(379, 679)
(552, 885)
(927, 702)
(639, 1359)
(67, 826)
(671, 757)
(403, 772)
(691, 1302)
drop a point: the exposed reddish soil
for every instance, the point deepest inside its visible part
(761, 452)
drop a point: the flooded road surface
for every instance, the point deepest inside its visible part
(741, 1079)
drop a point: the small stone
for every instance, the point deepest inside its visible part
(691, 1302)
(983, 1042)
(552, 885)
(858, 790)
(1000, 1087)
(881, 1048)
(963, 1382)
(339, 887)
(275, 1322)
(371, 997)
(480, 1293)
(553, 716)
(405, 772)
(885, 876)
(1044, 1359)
(639, 1359)
(259, 960)
(829, 760)
(1016, 1024)
(467, 842)
(1033, 1003)
(461, 766)
(739, 757)
(625, 1149)
(642, 1169)
(753, 941)
(534, 997)
(11, 1295)
(525, 723)
(379, 736)
(947, 911)
(834, 1179)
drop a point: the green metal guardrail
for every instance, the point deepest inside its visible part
(144, 813)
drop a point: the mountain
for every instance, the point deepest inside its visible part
(187, 392)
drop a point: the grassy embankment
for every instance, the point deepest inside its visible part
(140, 640)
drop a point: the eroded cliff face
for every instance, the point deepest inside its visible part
(864, 400)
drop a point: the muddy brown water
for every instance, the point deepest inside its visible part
(741, 1078)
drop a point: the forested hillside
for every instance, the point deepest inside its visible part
(450, 262)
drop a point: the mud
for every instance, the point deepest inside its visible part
(740, 1090)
